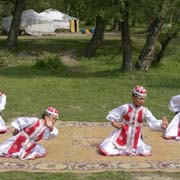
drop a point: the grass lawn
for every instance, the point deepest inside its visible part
(85, 90)
(93, 176)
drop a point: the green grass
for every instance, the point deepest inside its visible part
(64, 176)
(89, 90)
(92, 176)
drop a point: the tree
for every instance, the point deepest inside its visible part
(104, 11)
(164, 41)
(170, 30)
(76, 8)
(155, 27)
(125, 39)
(97, 38)
(15, 24)
(41, 5)
(98, 9)
(19, 6)
(7, 7)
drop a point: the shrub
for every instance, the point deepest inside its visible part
(53, 64)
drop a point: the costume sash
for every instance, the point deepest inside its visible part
(26, 139)
(130, 132)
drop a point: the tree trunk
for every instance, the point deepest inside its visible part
(161, 52)
(97, 38)
(116, 26)
(126, 41)
(164, 44)
(147, 55)
(15, 24)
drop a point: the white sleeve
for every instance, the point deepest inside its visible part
(173, 127)
(22, 122)
(117, 113)
(2, 102)
(50, 134)
(152, 121)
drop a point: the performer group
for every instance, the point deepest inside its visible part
(126, 139)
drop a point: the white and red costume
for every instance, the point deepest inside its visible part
(3, 127)
(24, 144)
(128, 139)
(173, 130)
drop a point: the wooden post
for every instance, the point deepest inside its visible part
(72, 26)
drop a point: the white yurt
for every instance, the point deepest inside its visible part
(32, 23)
(46, 22)
(5, 23)
(60, 20)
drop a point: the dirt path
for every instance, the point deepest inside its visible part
(76, 150)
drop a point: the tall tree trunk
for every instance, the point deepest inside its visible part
(116, 26)
(97, 38)
(164, 43)
(147, 54)
(15, 24)
(126, 41)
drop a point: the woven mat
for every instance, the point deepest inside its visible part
(76, 150)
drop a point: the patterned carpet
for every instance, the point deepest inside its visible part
(76, 150)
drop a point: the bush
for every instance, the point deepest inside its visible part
(53, 64)
(3, 63)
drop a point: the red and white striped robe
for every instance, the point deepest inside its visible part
(173, 129)
(128, 139)
(24, 144)
(3, 127)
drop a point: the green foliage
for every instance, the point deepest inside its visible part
(148, 8)
(42, 5)
(86, 10)
(76, 8)
(172, 17)
(1, 10)
(6, 8)
(53, 64)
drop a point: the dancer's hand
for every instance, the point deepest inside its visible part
(15, 132)
(165, 123)
(116, 124)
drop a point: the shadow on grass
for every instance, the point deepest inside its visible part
(54, 45)
(32, 72)
(173, 84)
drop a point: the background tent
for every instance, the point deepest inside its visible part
(31, 22)
(5, 23)
(60, 20)
(46, 22)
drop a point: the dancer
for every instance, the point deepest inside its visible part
(127, 139)
(29, 130)
(173, 130)
(3, 127)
